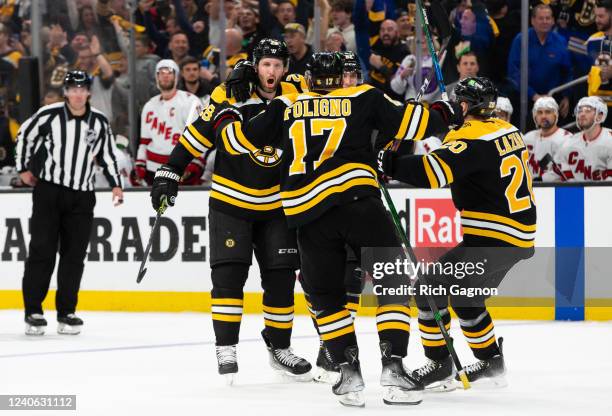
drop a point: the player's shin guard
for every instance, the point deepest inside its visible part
(431, 336)
(477, 326)
(337, 331)
(393, 325)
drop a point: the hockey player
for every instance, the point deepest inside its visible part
(485, 163)
(245, 215)
(162, 121)
(587, 155)
(330, 193)
(544, 142)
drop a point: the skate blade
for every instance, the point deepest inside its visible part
(394, 395)
(290, 377)
(352, 399)
(34, 330)
(485, 383)
(230, 378)
(443, 386)
(326, 377)
(64, 329)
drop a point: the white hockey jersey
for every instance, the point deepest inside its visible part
(162, 123)
(581, 160)
(539, 147)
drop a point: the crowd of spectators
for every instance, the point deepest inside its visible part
(567, 40)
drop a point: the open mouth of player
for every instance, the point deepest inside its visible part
(270, 82)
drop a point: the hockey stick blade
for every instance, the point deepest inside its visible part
(143, 269)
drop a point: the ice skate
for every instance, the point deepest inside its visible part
(69, 324)
(400, 387)
(436, 376)
(488, 373)
(327, 371)
(350, 385)
(227, 362)
(287, 363)
(35, 324)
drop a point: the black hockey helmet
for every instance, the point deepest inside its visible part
(479, 93)
(350, 63)
(271, 48)
(77, 79)
(324, 71)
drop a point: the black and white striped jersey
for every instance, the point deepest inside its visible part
(61, 148)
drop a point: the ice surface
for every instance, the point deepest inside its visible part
(164, 364)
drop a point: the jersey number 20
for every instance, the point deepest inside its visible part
(318, 127)
(512, 165)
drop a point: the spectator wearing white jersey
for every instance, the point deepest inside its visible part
(545, 141)
(162, 121)
(587, 155)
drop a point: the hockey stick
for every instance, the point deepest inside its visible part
(409, 253)
(160, 212)
(432, 51)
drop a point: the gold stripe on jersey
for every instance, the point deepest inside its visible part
(431, 177)
(234, 141)
(448, 173)
(414, 123)
(241, 196)
(498, 227)
(194, 141)
(498, 218)
(498, 236)
(338, 180)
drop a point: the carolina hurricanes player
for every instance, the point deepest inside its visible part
(544, 142)
(587, 155)
(162, 122)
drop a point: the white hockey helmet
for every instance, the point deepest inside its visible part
(167, 64)
(548, 103)
(504, 104)
(596, 103)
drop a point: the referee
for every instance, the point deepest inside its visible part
(57, 151)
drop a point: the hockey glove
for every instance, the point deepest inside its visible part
(450, 111)
(225, 113)
(384, 163)
(193, 173)
(241, 81)
(165, 185)
(141, 169)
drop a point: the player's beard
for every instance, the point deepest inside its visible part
(546, 124)
(586, 127)
(166, 86)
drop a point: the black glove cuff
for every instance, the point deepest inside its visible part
(167, 173)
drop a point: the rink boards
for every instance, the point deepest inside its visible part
(569, 277)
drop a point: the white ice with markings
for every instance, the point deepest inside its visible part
(164, 364)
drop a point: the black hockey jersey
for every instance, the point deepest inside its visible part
(328, 157)
(486, 165)
(246, 186)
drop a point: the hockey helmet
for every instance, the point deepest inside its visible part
(479, 93)
(167, 64)
(350, 63)
(545, 103)
(77, 79)
(597, 104)
(271, 48)
(324, 71)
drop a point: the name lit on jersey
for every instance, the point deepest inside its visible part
(509, 143)
(161, 128)
(319, 107)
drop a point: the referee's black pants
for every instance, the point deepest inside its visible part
(60, 217)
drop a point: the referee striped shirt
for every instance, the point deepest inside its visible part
(64, 149)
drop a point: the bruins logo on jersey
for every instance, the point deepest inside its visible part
(267, 156)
